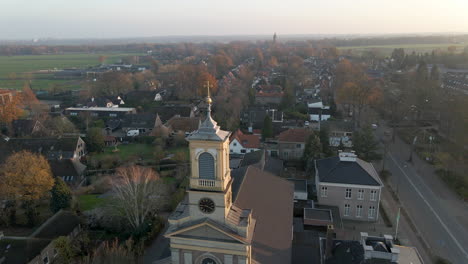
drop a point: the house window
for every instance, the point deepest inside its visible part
(286, 154)
(324, 191)
(359, 211)
(235, 144)
(348, 193)
(347, 210)
(231, 150)
(206, 169)
(94, 114)
(298, 145)
(113, 115)
(360, 194)
(242, 150)
(371, 212)
(373, 195)
(73, 113)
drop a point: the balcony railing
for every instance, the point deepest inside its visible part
(207, 183)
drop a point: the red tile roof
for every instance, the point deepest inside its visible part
(246, 140)
(294, 135)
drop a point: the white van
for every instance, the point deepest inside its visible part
(133, 133)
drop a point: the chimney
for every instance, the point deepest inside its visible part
(347, 155)
(329, 241)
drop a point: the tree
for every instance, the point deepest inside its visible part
(313, 148)
(65, 251)
(444, 161)
(61, 196)
(267, 130)
(115, 253)
(26, 177)
(113, 84)
(59, 125)
(95, 139)
(11, 110)
(135, 190)
(365, 144)
(325, 140)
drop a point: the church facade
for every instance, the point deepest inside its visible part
(229, 217)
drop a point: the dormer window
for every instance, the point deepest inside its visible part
(206, 168)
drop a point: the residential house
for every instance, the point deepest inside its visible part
(243, 143)
(318, 111)
(291, 143)
(27, 127)
(269, 94)
(184, 125)
(52, 148)
(38, 248)
(100, 112)
(70, 170)
(106, 102)
(349, 183)
(143, 122)
(168, 111)
(254, 116)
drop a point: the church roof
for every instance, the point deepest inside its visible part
(272, 237)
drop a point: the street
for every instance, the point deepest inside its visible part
(438, 214)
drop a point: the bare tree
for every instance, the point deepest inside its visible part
(135, 189)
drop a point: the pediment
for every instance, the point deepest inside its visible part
(208, 231)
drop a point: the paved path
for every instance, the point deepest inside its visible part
(439, 215)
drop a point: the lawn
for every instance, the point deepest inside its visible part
(29, 63)
(90, 201)
(386, 50)
(125, 152)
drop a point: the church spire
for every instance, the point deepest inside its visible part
(208, 100)
(208, 129)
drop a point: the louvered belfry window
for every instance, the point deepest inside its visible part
(206, 168)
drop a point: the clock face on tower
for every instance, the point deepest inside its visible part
(206, 205)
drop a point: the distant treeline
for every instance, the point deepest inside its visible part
(186, 47)
(375, 41)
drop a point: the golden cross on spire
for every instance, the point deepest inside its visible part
(208, 86)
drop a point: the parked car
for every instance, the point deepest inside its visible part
(133, 133)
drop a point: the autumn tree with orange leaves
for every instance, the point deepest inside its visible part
(10, 108)
(26, 177)
(354, 90)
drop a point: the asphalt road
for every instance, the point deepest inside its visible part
(439, 215)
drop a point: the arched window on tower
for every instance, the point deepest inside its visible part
(206, 168)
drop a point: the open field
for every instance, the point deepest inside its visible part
(19, 66)
(386, 50)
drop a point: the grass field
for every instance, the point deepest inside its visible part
(126, 152)
(20, 65)
(89, 201)
(386, 50)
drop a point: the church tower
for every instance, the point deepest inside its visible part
(209, 193)
(206, 228)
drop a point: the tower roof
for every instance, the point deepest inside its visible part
(209, 129)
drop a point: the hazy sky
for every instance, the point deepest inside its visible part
(139, 18)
